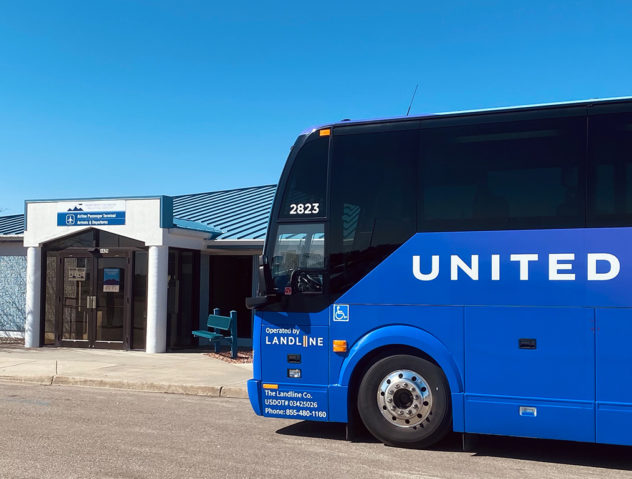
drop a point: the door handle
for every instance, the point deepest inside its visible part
(91, 302)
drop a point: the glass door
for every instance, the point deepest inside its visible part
(95, 300)
(111, 301)
(76, 301)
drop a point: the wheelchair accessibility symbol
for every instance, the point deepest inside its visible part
(341, 312)
(70, 220)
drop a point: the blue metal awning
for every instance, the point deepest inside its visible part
(195, 226)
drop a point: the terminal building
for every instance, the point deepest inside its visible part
(135, 273)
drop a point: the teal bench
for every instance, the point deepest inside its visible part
(221, 323)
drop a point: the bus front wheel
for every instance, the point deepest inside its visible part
(404, 401)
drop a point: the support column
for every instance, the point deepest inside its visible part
(157, 284)
(205, 266)
(33, 296)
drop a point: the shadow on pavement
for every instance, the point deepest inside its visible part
(323, 430)
(540, 450)
(559, 452)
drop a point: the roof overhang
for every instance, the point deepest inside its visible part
(235, 247)
(12, 238)
(211, 231)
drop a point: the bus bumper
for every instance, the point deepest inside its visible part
(254, 395)
(291, 401)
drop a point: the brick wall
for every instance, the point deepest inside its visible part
(12, 293)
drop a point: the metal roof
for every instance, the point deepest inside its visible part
(240, 214)
(11, 225)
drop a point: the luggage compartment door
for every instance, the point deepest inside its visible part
(530, 372)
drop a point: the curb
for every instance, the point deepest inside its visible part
(41, 380)
(239, 392)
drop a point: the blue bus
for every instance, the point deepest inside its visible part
(467, 272)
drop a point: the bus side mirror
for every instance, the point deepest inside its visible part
(265, 276)
(265, 282)
(254, 301)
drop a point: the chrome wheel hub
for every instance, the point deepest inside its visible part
(404, 398)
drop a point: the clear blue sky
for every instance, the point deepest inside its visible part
(117, 98)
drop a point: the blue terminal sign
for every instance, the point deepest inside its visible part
(91, 213)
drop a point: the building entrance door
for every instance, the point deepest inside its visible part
(95, 300)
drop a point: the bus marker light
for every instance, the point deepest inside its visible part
(270, 386)
(294, 373)
(340, 346)
(528, 411)
(325, 132)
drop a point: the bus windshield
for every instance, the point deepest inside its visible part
(299, 248)
(296, 253)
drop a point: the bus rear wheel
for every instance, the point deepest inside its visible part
(404, 401)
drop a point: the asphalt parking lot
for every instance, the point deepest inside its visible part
(67, 431)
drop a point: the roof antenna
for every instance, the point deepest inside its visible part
(412, 99)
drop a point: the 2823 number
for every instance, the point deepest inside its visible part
(304, 208)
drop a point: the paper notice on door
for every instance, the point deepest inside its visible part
(76, 274)
(111, 280)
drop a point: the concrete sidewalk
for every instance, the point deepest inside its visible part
(182, 373)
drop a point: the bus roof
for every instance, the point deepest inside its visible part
(470, 112)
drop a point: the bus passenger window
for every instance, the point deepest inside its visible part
(513, 175)
(610, 170)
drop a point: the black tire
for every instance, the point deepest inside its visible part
(416, 423)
